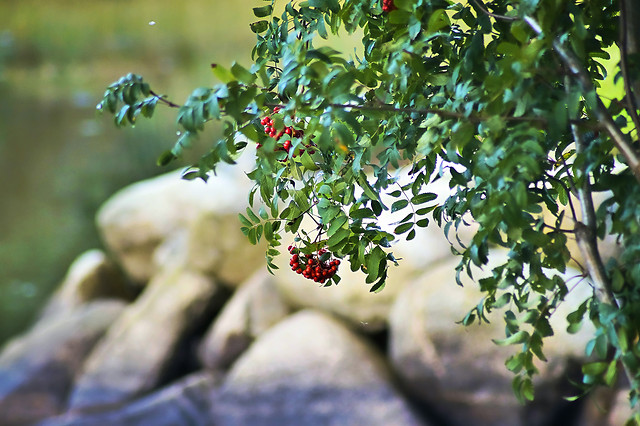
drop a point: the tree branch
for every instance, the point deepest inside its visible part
(625, 32)
(581, 75)
(163, 100)
(484, 9)
(426, 111)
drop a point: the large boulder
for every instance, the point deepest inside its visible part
(460, 370)
(351, 299)
(310, 370)
(142, 347)
(255, 307)
(38, 368)
(186, 402)
(91, 276)
(168, 210)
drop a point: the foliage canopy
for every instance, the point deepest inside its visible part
(502, 96)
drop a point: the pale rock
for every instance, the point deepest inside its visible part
(620, 411)
(254, 308)
(141, 347)
(141, 217)
(460, 371)
(310, 369)
(91, 276)
(37, 369)
(216, 246)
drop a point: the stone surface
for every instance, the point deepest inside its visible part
(91, 276)
(143, 216)
(254, 307)
(310, 370)
(216, 246)
(185, 402)
(142, 346)
(458, 370)
(37, 369)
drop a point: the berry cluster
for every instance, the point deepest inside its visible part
(388, 6)
(290, 133)
(311, 267)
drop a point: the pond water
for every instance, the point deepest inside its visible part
(59, 159)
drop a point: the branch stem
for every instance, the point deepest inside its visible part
(577, 70)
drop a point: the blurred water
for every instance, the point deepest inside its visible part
(59, 160)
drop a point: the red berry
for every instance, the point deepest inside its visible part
(388, 6)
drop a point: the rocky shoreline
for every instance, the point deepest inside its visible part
(177, 322)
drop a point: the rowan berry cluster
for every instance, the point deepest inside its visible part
(388, 6)
(311, 266)
(287, 132)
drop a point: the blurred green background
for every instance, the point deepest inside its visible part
(59, 159)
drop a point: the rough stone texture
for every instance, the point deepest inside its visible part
(37, 369)
(216, 246)
(185, 402)
(143, 216)
(137, 352)
(310, 370)
(255, 307)
(91, 276)
(459, 371)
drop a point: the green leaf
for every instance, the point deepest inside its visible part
(399, 205)
(516, 338)
(246, 222)
(362, 213)
(261, 12)
(166, 158)
(337, 224)
(242, 74)
(221, 73)
(423, 198)
(374, 261)
(259, 26)
(252, 216)
(401, 229)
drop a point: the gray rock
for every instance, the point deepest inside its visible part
(37, 369)
(186, 402)
(310, 370)
(140, 218)
(142, 346)
(459, 371)
(254, 307)
(91, 276)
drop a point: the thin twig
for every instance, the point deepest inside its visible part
(483, 8)
(164, 100)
